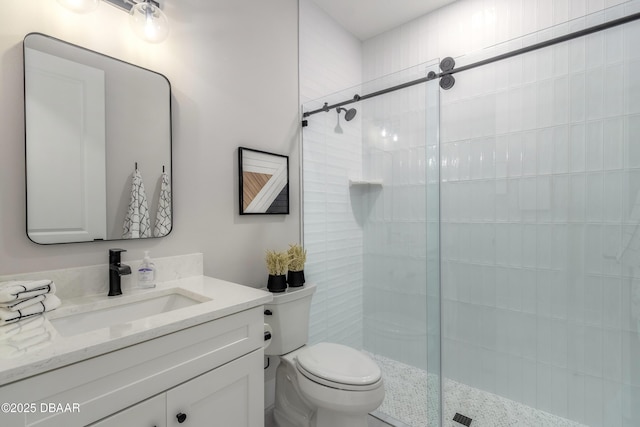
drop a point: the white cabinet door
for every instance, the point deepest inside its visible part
(150, 413)
(229, 396)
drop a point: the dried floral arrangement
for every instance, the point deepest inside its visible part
(297, 257)
(277, 262)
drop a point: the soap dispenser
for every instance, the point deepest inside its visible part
(147, 272)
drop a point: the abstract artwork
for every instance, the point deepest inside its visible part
(264, 182)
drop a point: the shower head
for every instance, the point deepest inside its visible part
(349, 114)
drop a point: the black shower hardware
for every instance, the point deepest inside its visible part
(349, 114)
(447, 65)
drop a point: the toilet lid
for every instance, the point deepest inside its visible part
(338, 364)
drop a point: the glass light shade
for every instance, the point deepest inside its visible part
(80, 6)
(149, 22)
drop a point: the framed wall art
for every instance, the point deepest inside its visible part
(264, 182)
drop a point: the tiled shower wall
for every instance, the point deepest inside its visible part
(330, 60)
(540, 183)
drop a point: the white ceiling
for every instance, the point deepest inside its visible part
(367, 18)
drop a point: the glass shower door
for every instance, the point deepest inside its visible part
(541, 234)
(371, 229)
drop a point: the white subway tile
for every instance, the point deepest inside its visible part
(595, 197)
(560, 202)
(577, 147)
(576, 397)
(593, 351)
(577, 97)
(613, 142)
(631, 71)
(560, 392)
(593, 398)
(594, 93)
(577, 199)
(545, 387)
(632, 148)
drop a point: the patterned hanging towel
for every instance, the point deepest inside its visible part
(163, 216)
(136, 222)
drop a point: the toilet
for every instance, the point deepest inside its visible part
(321, 385)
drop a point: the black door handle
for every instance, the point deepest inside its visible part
(181, 417)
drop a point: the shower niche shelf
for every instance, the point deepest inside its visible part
(365, 183)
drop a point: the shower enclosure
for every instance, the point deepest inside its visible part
(482, 243)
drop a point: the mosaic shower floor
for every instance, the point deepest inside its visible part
(407, 401)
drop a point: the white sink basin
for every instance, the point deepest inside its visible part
(121, 310)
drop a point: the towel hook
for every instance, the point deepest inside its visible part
(136, 165)
(162, 168)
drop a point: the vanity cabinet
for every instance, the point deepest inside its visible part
(212, 372)
(226, 396)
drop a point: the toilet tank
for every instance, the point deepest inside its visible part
(288, 316)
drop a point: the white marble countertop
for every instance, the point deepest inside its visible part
(38, 347)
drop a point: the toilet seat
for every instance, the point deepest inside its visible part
(338, 366)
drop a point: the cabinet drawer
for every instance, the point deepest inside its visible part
(106, 384)
(150, 413)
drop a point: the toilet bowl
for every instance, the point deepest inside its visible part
(326, 385)
(321, 385)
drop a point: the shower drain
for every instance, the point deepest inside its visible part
(459, 418)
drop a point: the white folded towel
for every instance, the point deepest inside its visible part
(23, 303)
(17, 290)
(51, 302)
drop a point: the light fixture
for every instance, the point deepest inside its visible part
(80, 6)
(145, 16)
(149, 22)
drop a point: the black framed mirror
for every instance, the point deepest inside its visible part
(97, 145)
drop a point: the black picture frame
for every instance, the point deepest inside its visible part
(263, 182)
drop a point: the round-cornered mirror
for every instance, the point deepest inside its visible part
(90, 121)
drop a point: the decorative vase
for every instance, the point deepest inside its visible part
(277, 283)
(295, 278)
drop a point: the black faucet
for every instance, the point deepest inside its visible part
(116, 269)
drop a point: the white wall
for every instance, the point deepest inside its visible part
(233, 70)
(539, 165)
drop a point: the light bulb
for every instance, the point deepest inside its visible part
(149, 22)
(80, 6)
